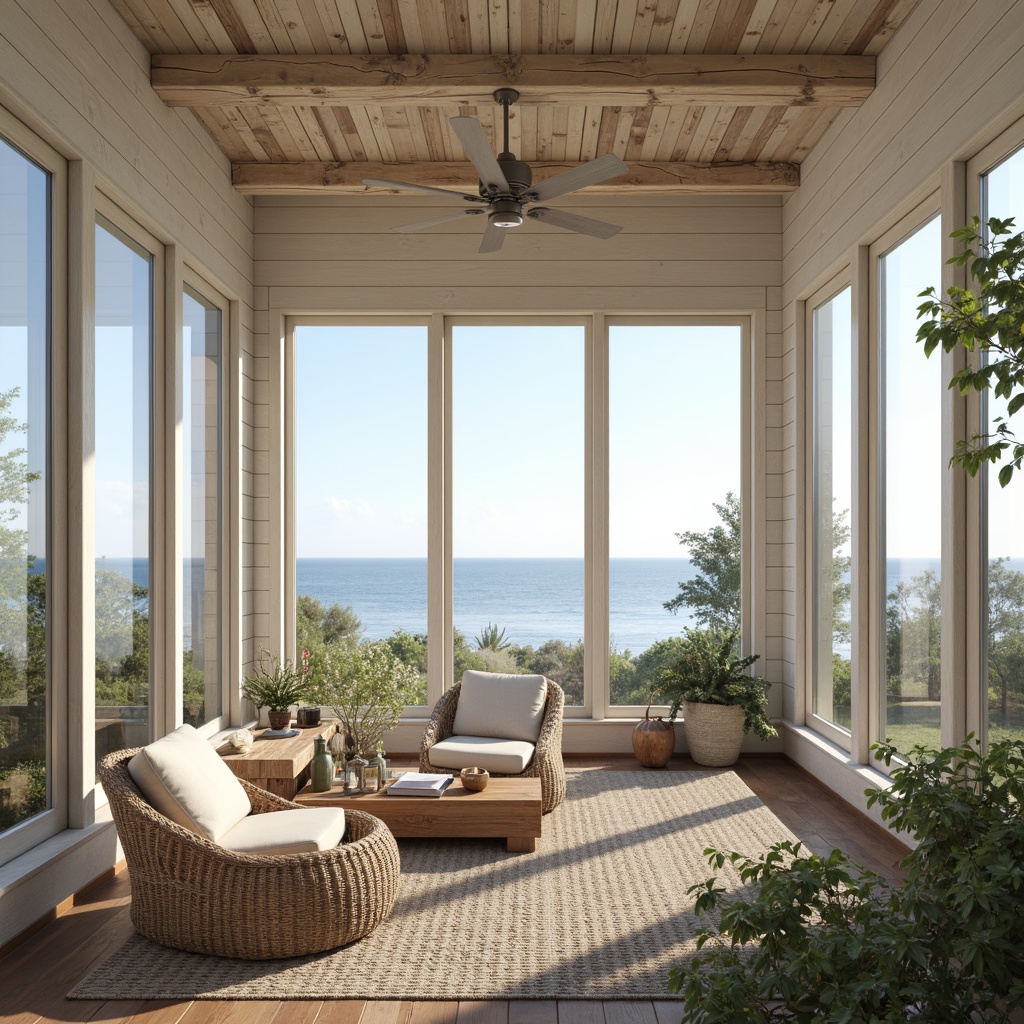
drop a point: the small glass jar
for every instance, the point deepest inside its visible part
(369, 778)
(382, 766)
(354, 774)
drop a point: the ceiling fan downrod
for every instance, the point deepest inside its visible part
(506, 211)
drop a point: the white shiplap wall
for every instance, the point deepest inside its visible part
(951, 79)
(674, 256)
(74, 74)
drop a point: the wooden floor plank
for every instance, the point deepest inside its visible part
(533, 1011)
(440, 1012)
(629, 1011)
(580, 1011)
(483, 1011)
(341, 1011)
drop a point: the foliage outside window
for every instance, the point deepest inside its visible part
(25, 757)
(1003, 196)
(913, 392)
(124, 344)
(832, 500)
(675, 525)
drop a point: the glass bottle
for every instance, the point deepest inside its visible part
(369, 778)
(354, 774)
(382, 766)
(321, 767)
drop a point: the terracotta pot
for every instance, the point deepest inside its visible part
(653, 740)
(279, 719)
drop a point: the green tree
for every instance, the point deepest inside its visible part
(913, 618)
(492, 638)
(15, 561)
(990, 321)
(714, 595)
(1005, 639)
(317, 626)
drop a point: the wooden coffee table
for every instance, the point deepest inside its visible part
(507, 808)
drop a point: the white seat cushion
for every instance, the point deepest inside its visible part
(183, 777)
(296, 831)
(505, 757)
(503, 706)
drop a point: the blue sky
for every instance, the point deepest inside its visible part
(518, 439)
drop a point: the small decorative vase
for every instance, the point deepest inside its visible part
(382, 765)
(279, 719)
(321, 767)
(653, 740)
(354, 774)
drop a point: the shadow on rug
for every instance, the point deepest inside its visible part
(599, 911)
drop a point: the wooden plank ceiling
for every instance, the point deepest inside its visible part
(695, 95)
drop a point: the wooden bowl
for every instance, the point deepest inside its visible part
(474, 779)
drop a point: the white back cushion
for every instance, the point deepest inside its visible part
(183, 777)
(504, 706)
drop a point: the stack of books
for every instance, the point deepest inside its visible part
(419, 784)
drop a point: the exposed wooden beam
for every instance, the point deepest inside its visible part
(288, 79)
(643, 178)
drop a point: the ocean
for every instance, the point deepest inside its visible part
(533, 599)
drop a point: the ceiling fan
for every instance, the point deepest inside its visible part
(506, 186)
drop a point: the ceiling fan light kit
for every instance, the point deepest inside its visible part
(506, 185)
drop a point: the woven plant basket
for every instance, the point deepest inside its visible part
(714, 733)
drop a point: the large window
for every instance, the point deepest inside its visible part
(27, 779)
(360, 447)
(517, 500)
(202, 642)
(912, 392)
(124, 345)
(831, 506)
(515, 450)
(1003, 197)
(674, 494)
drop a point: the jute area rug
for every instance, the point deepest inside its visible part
(599, 911)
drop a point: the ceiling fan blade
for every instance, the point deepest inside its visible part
(478, 149)
(574, 222)
(429, 189)
(590, 173)
(431, 221)
(494, 238)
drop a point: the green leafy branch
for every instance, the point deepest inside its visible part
(990, 320)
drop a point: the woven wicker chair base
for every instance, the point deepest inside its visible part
(547, 762)
(191, 894)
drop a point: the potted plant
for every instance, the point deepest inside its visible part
(275, 685)
(367, 687)
(719, 700)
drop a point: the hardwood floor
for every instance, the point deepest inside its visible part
(35, 975)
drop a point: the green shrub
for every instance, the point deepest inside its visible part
(824, 939)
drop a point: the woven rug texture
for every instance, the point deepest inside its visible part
(599, 911)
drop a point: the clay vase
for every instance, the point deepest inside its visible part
(653, 740)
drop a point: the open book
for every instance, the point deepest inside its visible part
(419, 784)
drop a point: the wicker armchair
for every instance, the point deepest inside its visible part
(547, 758)
(192, 894)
